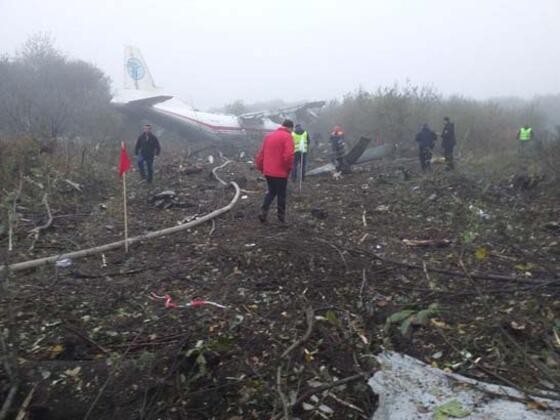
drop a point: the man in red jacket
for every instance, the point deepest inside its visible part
(274, 160)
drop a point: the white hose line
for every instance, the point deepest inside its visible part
(223, 165)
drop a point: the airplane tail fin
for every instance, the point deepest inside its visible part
(136, 72)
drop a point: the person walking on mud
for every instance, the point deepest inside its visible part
(448, 142)
(301, 147)
(426, 140)
(275, 159)
(147, 147)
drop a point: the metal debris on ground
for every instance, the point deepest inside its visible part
(167, 199)
(410, 389)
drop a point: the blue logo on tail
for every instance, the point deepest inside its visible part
(135, 68)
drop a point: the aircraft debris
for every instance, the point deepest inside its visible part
(408, 388)
(167, 199)
(357, 155)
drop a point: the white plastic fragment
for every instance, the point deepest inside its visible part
(63, 263)
(410, 389)
(479, 212)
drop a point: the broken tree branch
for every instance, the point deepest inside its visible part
(479, 276)
(12, 212)
(540, 368)
(8, 402)
(33, 182)
(364, 281)
(309, 316)
(111, 376)
(86, 339)
(283, 398)
(324, 387)
(333, 246)
(23, 410)
(37, 230)
(74, 185)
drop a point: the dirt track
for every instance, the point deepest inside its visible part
(343, 255)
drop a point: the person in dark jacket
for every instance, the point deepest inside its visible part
(426, 140)
(339, 149)
(275, 159)
(147, 147)
(448, 142)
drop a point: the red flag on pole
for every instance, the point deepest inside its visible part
(124, 162)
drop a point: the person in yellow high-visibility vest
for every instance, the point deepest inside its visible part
(525, 137)
(301, 147)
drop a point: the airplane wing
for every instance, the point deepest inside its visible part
(302, 112)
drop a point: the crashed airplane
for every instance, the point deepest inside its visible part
(141, 99)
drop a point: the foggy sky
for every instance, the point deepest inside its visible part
(212, 52)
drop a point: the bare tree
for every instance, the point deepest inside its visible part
(45, 95)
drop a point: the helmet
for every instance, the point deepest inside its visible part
(337, 130)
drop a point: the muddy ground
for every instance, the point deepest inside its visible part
(454, 268)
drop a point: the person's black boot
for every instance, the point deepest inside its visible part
(262, 217)
(282, 221)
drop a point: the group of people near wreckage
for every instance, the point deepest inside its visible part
(284, 152)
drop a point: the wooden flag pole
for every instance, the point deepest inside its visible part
(125, 214)
(300, 169)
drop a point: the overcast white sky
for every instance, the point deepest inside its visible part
(211, 52)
